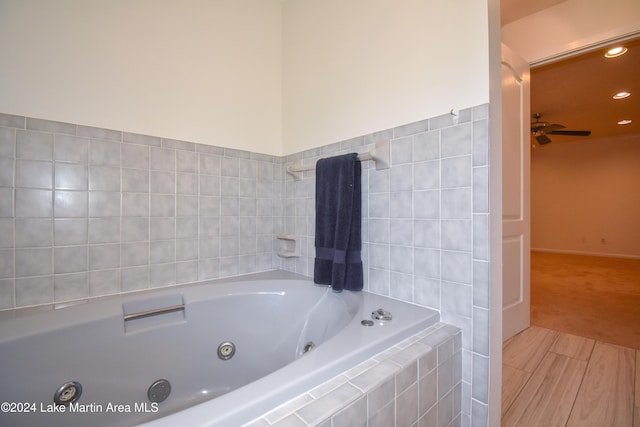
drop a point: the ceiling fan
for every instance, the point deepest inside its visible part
(541, 129)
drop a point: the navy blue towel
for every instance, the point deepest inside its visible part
(338, 223)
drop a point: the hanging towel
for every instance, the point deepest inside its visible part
(338, 238)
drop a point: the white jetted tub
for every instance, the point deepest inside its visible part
(209, 354)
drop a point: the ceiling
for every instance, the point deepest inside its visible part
(577, 92)
(512, 10)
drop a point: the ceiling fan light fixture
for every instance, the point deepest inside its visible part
(542, 138)
(615, 52)
(625, 122)
(621, 95)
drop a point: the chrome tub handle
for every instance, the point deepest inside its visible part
(153, 312)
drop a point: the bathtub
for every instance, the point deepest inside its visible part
(208, 354)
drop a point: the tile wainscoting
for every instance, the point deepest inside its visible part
(87, 212)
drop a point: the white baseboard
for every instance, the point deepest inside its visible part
(570, 252)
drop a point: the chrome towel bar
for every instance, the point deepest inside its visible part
(153, 312)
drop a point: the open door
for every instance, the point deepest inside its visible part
(516, 221)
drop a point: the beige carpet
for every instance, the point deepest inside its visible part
(594, 297)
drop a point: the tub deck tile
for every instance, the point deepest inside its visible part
(324, 407)
(371, 378)
(260, 422)
(396, 387)
(359, 369)
(288, 408)
(410, 353)
(387, 353)
(329, 385)
(291, 421)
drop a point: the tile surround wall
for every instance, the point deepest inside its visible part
(87, 211)
(425, 228)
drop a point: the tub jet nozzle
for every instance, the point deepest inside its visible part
(159, 391)
(67, 393)
(226, 350)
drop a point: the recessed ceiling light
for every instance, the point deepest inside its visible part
(624, 122)
(621, 95)
(615, 52)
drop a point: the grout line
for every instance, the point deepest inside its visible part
(504, 411)
(584, 375)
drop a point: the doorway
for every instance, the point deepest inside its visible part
(585, 275)
(539, 40)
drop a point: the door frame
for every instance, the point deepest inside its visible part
(516, 214)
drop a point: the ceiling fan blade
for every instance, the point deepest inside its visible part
(571, 132)
(542, 139)
(553, 127)
(545, 127)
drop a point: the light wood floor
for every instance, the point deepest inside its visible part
(552, 378)
(579, 362)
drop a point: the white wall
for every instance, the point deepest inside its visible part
(269, 76)
(354, 67)
(201, 71)
(586, 191)
(571, 25)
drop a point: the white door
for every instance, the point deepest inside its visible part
(516, 157)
